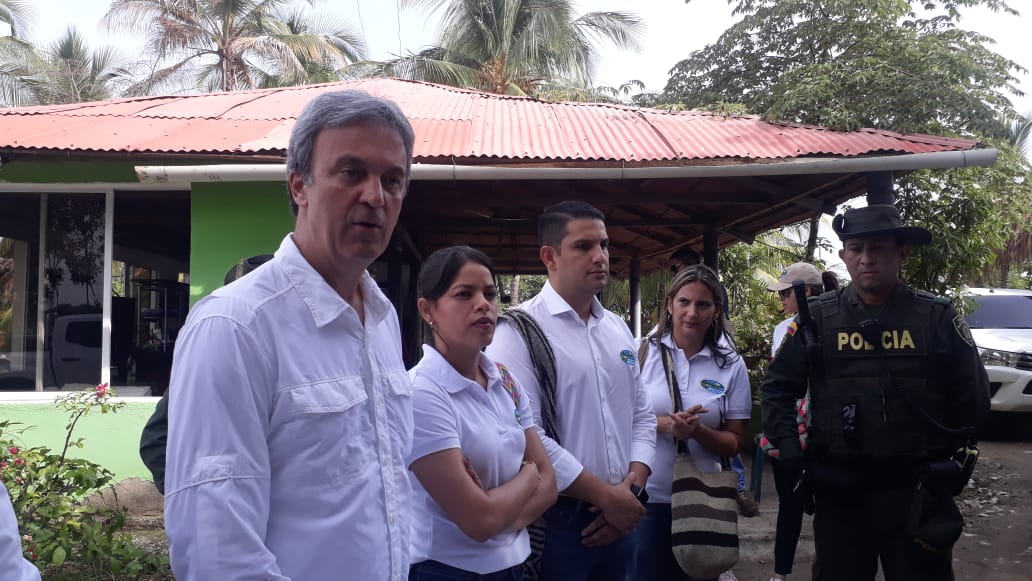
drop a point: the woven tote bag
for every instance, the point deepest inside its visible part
(703, 506)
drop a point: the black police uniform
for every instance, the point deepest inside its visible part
(868, 446)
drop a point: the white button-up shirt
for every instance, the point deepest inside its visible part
(13, 566)
(605, 420)
(289, 425)
(724, 392)
(489, 427)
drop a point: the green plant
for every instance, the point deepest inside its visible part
(63, 534)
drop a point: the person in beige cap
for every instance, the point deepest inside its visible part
(815, 282)
(790, 504)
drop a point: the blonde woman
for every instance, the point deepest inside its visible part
(714, 387)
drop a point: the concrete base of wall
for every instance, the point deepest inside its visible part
(138, 496)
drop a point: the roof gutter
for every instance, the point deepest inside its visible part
(187, 174)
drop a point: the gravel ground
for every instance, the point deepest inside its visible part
(996, 544)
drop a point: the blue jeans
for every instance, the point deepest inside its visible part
(437, 571)
(739, 468)
(655, 561)
(566, 558)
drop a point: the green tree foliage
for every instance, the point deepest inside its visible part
(66, 71)
(513, 46)
(848, 64)
(746, 271)
(243, 44)
(892, 64)
(975, 215)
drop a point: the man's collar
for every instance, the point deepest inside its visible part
(557, 304)
(323, 302)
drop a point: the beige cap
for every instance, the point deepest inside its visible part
(803, 271)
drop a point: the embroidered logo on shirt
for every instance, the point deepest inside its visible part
(509, 385)
(628, 357)
(714, 387)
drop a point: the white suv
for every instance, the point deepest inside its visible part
(1002, 328)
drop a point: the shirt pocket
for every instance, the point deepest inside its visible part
(327, 424)
(327, 396)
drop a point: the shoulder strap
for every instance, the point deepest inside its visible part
(828, 302)
(668, 370)
(643, 352)
(675, 396)
(675, 391)
(543, 360)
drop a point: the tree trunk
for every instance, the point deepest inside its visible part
(514, 290)
(811, 241)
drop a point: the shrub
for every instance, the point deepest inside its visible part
(61, 532)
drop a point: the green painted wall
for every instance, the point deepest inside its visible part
(230, 222)
(112, 440)
(70, 172)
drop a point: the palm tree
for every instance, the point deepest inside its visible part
(514, 46)
(235, 44)
(301, 28)
(1020, 135)
(16, 14)
(66, 71)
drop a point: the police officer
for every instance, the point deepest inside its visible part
(896, 387)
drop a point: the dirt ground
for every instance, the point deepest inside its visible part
(996, 544)
(997, 541)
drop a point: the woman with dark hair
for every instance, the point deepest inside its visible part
(714, 386)
(479, 472)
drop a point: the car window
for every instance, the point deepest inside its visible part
(1001, 312)
(85, 333)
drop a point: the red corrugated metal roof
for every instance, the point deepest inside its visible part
(449, 122)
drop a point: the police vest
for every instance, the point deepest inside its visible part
(856, 407)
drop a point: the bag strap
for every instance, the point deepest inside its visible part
(675, 397)
(543, 360)
(675, 390)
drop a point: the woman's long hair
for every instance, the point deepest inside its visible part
(701, 273)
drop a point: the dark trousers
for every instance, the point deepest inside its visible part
(655, 561)
(790, 520)
(853, 533)
(437, 571)
(566, 558)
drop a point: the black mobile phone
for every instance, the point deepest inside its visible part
(641, 494)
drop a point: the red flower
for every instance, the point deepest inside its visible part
(19, 461)
(3, 465)
(13, 450)
(102, 390)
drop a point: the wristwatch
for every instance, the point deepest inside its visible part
(641, 494)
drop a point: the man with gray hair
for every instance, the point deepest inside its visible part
(290, 407)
